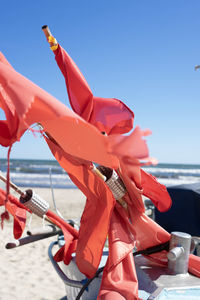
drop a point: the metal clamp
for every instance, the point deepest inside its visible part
(179, 251)
(113, 181)
(35, 203)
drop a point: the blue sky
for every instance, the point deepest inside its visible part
(142, 52)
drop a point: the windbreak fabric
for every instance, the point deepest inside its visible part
(126, 231)
(24, 104)
(113, 116)
(16, 210)
(119, 273)
(107, 114)
(101, 217)
(97, 221)
(96, 217)
(76, 141)
(155, 191)
(194, 265)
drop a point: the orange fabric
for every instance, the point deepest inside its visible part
(147, 233)
(130, 174)
(194, 265)
(65, 252)
(155, 191)
(141, 232)
(107, 114)
(16, 210)
(97, 212)
(110, 295)
(75, 142)
(119, 273)
(128, 230)
(19, 215)
(138, 183)
(24, 104)
(112, 116)
(99, 218)
(4, 60)
(76, 84)
(134, 144)
(121, 281)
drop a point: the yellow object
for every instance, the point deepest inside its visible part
(51, 39)
(54, 47)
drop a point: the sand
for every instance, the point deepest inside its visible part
(26, 271)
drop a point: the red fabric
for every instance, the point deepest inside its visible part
(110, 295)
(194, 265)
(75, 142)
(62, 223)
(25, 104)
(2, 197)
(4, 60)
(16, 210)
(130, 174)
(130, 146)
(70, 235)
(147, 233)
(142, 232)
(138, 183)
(119, 273)
(80, 95)
(112, 116)
(96, 223)
(155, 191)
(121, 281)
(19, 215)
(107, 114)
(4, 216)
(97, 212)
(65, 252)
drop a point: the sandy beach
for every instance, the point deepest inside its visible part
(26, 271)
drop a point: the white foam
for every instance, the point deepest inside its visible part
(177, 181)
(172, 170)
(35, 179)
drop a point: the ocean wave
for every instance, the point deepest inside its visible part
(38, 170)
(178, 181)
(44, 166)
(41, 180)
(171, 171)
(32, 173)
(39, 176)
(31, 166)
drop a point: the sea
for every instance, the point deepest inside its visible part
(48, 173)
